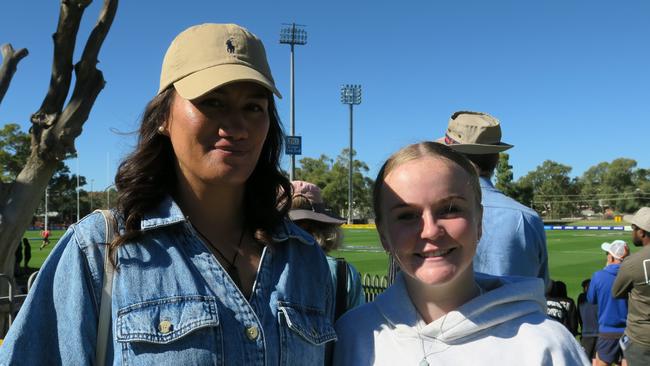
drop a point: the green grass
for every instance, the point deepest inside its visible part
(38, 256)
(573, 255)
(576, 255)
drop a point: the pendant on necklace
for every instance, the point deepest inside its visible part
(424, 362)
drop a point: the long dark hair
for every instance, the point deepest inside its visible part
(147, 175)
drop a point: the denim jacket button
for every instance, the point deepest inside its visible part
(252, 332)
(165, 326)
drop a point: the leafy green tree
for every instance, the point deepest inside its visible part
(332, 177)
(641, 180)
(316, 171)
(551, 189)
(14, 151)
(613, 185)
(63, 196)
(504, 176)
(337, 192)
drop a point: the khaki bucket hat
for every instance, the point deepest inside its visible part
(474, 133)
(207, 56)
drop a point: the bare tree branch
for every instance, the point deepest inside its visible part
(10, 60)
(56, 142)
(90, 81)
(64, 42)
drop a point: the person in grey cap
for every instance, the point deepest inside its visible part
(207, 268)
(513, 241)
(633, 283)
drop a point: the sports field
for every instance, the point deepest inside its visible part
(573, 255)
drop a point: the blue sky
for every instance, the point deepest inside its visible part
(568, 79)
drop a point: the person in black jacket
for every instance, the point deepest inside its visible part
(561, 307)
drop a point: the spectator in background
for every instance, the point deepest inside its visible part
(27, 249)
(588, 320)
(633, 280)
(513, 241)
(611, 312)
(310, 213)
(18, 259)
(45, 234)
(561, 307)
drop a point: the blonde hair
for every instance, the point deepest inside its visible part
(417, 151)
(328, 236)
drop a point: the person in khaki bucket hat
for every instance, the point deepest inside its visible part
(513, 241)
(633, 283)
(474, 133)
(206, 268)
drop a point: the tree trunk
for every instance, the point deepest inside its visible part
(55, 126)
(23, 198)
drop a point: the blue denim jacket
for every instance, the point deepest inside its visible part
(173, 303)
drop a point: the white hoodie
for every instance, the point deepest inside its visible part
(506, 325)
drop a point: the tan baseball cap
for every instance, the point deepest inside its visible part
(474, 133)
(207, 56)
(641, 218)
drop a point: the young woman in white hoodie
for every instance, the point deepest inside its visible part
(427, 202)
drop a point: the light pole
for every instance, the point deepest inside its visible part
(47, 194)
(350, 95)
(108, 196)
(293, 34)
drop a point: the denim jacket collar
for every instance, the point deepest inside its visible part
(168, 213)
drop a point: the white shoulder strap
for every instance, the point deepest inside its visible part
(105, 304)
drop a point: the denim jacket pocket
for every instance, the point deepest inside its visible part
(178, 329)
(304, 332)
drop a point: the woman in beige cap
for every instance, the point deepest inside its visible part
(206, 268)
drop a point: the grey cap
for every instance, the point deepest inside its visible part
(641, 218)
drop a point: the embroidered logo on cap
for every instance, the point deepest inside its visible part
(231, 47)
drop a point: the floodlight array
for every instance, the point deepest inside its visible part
(293, 34)
(351, 94)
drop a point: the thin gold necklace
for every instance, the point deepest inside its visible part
(231, 266)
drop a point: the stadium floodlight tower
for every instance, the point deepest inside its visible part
(350, 95)
(293, 34)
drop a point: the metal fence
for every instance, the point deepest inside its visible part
(11, 301)
(373, 285)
